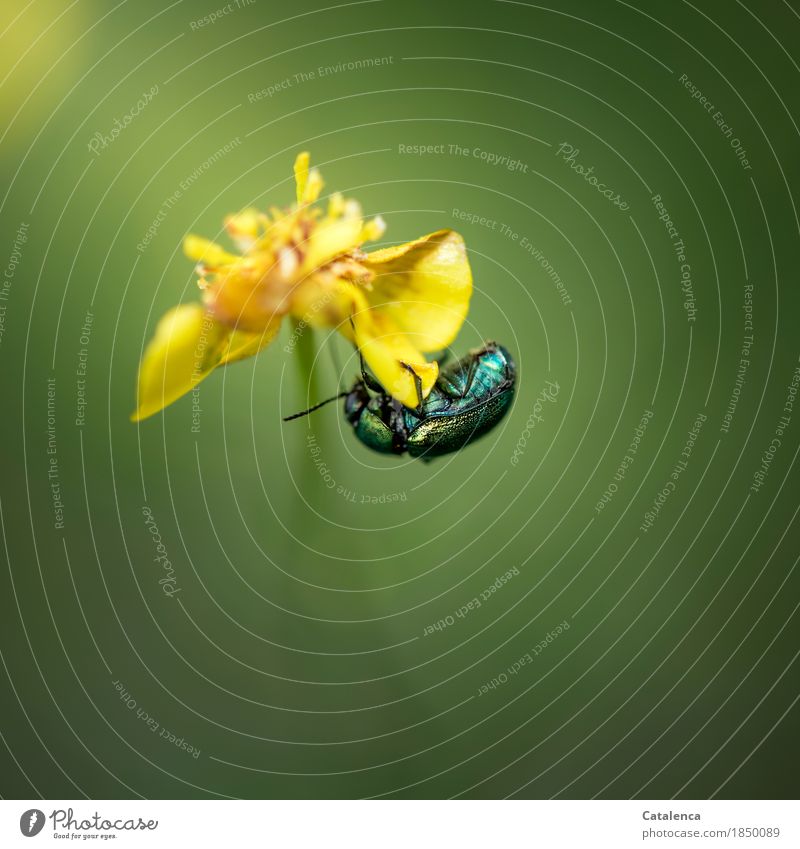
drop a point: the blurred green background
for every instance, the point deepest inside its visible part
(297, 656)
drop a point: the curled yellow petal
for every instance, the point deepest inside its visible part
(389, 353)
(393, 359)
(425, 287)
(186, 347)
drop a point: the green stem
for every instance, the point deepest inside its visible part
(305, 352)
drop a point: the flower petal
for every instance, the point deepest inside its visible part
(250, 295)
(186, 347)
(301, 174)
(308, 182)
(332, 237)
(373, 229)
(242, 345)
(245, 227)
(425, 286)
(206, 251)
(313, 186)
(386, 349)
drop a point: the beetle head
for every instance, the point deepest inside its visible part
(355, 402)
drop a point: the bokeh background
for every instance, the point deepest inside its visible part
(312, 644)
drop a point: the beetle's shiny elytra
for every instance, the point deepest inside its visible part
(468, 399)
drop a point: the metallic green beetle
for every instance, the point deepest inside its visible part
(468, 399)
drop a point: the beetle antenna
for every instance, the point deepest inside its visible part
(316, 406)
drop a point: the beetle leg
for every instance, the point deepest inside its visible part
(397, 426)
(417, 384)
(360, 358)
(367, 379)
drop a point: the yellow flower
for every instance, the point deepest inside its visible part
(395, 304)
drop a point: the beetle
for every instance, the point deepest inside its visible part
(469, 398)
